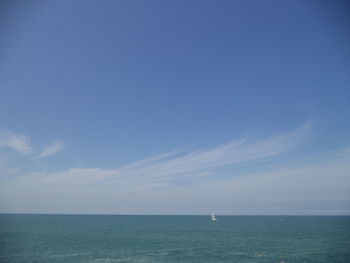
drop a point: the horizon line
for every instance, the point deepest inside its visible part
(129, 214)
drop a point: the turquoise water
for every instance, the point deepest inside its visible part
(84, 238)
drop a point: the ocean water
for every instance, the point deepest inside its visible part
(102, 238)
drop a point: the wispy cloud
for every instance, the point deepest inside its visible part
(196, 182)
(164, 169)
(52, 149)
(320, 186)
(17, 142)
(22, 145)
(232, 153)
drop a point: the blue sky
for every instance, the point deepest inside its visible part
(175, 107)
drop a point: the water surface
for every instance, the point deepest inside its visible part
(103, 238)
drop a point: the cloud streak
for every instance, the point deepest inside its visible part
(164, 169)
(22, 145)
(229, 154)
(52, 149)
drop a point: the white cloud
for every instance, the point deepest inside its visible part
(17, 142)
(151, 176)
(52, 149)
(163, 169)
(192, 183)
(318, 187)
(232, 153)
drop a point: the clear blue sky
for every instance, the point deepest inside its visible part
(175, 106)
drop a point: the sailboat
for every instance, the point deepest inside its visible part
(213, 218)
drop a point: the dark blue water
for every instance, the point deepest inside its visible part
(83, 238)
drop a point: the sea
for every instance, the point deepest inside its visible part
(137, 238)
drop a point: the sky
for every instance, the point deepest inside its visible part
(175, 107)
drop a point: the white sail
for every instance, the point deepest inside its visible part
(213, 218)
